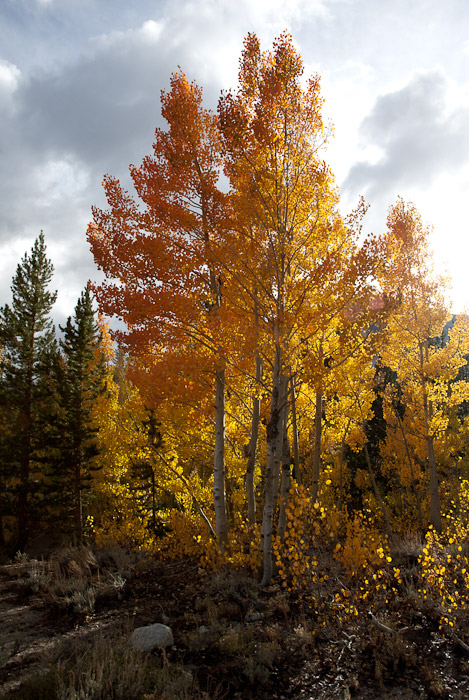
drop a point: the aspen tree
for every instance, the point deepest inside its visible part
(169, 288)
(288, 240)
(425, 371)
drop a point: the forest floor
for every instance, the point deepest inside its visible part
(232, 639)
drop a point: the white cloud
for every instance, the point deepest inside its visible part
(9, 76)
(61, 180)
(419, 136)
(148, 33)
(96, 113)
(86, 100)
(416, 145)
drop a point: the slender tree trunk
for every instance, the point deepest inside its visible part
(341, 465)
(317, 443)
(195, 502)
(78, 500)
(24, 516)
(275, 433)
(153, 500)
(284, 485)
(296, 444)
(435, 507)
(279, 450)
(219, 494)
(256, 416)
(23, 506)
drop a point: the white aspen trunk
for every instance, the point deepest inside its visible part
(317, 444)
(284, 486)
(275, 432)
(435, 507)
(256, 417)
(219, 494)
(296, 443)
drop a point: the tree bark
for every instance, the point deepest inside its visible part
(435, 508)
(317, 443)
(284, 486)
(275, 434)
(219, 494)
(24, 517)
(296, 444)
(256, 416)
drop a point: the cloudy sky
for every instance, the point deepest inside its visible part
(80, 82)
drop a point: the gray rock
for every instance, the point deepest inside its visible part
(152, 636)
(254, 617)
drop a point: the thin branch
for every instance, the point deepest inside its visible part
(379, 625)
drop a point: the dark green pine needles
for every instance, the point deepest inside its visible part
(28, 348)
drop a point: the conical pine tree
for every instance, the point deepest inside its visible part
(27, 337)
(81, 379)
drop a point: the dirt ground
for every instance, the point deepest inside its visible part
(238, 640)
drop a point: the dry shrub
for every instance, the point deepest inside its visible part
(120, 560)
(408, 546)
(109, 669)
(76, 562)
(388, 655)
(36, 579)
(71, 581)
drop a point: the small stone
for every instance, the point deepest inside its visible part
(152, 636)
(254, 617)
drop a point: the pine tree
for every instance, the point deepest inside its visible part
(81, 380)
(27, 336)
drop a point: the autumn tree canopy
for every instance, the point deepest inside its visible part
(261, 279)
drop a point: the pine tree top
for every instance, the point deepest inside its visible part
(26, 329)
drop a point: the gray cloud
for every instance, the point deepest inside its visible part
(80, 84)
(418, 136)
(62, 130)
(96, 111)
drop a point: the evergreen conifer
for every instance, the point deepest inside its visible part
(27, 338)
(81, 379)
